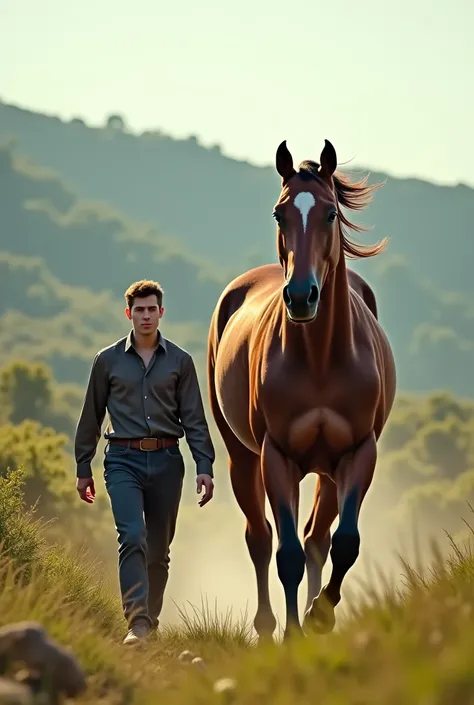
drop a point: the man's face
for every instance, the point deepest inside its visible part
(145, 314)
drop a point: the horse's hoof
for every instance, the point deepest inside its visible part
(265, 639)
(320, 617)
(264, 625)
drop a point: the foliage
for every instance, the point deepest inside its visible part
(19, 533)
(36, 436)
(28, 390)
(40, 451)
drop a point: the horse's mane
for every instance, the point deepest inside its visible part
(354, 195)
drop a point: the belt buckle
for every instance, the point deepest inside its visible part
(154, 444)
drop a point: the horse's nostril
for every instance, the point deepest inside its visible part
(313, 294)
(295, 294)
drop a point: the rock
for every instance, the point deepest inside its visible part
(28, 644)
(198, 661)
(186, 656)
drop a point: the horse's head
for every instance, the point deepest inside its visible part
(308, 237)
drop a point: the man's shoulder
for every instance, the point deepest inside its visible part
(179, 352)
(110, 350)
(176, 349)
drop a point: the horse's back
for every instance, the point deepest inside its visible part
(361, 287)
(256, 285)
(370, 334)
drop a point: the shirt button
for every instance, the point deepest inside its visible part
(146, 397)
(148, 417)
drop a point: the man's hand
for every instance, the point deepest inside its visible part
(208, 484)
(86, 489)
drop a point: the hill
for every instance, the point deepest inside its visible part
(221, 208)
(65, 263)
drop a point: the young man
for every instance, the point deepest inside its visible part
(150, 389)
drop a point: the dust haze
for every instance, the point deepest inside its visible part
(210, 563)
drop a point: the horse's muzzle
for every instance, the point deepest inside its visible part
(301, 299)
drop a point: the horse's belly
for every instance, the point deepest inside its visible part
(231, 375)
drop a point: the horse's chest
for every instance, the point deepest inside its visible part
(295, 385)
(332, 411)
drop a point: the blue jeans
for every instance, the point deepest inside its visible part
(144, 488)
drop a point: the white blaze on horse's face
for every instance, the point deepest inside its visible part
(304, 201)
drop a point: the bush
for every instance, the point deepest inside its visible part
(20, 534)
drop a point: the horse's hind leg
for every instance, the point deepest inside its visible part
(353, 477)
(249, 492)
(317, 538)
(246, 480)
(281, 482)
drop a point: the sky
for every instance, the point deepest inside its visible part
(389, 84)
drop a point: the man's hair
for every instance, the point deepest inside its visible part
(142, 289)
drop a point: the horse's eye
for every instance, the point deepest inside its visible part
(332, 216)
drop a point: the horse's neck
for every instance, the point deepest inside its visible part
(328, 339)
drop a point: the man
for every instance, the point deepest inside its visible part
(150, 389)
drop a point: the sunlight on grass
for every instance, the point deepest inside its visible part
(411, 644)
(206, 626)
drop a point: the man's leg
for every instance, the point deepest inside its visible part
(125, 473)
(162, 498)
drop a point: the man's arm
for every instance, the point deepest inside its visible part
(193, 419)
(92, 416)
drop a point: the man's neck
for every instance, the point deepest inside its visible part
(146, 342)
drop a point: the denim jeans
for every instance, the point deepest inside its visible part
(144, 488)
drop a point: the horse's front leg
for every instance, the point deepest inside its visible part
(353, 477)
(281, 480)
(317, 537)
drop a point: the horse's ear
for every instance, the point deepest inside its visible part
(328, 160)
(284, 162)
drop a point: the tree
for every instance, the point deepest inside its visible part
(26, 391)
(48, 479)
(116, 122)
(40, 451)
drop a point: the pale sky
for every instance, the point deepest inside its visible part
(390, 85)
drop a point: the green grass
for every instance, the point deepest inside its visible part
(413, 645)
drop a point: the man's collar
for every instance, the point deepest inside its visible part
(130, 341)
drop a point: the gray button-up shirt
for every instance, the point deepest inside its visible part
(163, 399)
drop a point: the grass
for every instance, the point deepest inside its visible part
(412, 645)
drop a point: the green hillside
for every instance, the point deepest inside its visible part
(65, 261)
(64, 265)
(221, 208)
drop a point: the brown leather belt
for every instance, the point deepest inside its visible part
(145, 443)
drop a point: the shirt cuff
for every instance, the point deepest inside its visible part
(84, 470)
(204, 467)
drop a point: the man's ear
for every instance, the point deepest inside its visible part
(162, 310)
(128, 313)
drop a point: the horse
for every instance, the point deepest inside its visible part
(301, 379)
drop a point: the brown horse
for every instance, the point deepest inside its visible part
(302, 379)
